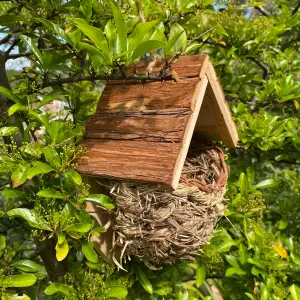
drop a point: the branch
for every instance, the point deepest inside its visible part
(26, 54)
(78, 78)
(262, 11)
(12, 46)
(168, 63)
(140, 11)
(296, 8)
(5, 104)
(18, 55)
(262, 66)
(5, 39)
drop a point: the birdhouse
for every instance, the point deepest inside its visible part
(142, 132)
(168, 202)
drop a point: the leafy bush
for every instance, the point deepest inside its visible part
(70, 49)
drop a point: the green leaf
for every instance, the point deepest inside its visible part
(146, 47)
(266, 184)
(79, 227)
(8, 94)
(2, 242)
(243, 184)
(33, 48)
(59, 288)
(234, 270)
(56, 29)
(61, 238)
(283, 223)
(54, 95)
(12, 193)
(31, 217)
(121, 27)
(39, 169)
(50, 193)
(144, 281)
(141, 33)
(26, 265)
(74, 176)
(17, 280)
(7, 20)
(96, 36)
(200, 275)
(295, 292)
(62, 250)
(52, 157)
(9, 130)
(15, 108)
(117, 291)
(19, 175)
(89, 252)
(102, 200)
(177, 39)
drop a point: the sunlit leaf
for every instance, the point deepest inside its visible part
(9, 130)
(62, 250)
(31, 217)
(102, 200)
(17, 280)
(50, 193)
(59, 288)
(39, 169)
(117, 292)
(89, 252)
(26, 265)
(280, 250)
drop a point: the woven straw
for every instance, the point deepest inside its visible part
(159, 226)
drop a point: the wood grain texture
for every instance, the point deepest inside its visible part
(152, 96)
(189, 130)
(155, 127)
(130, 160)
(220, 110)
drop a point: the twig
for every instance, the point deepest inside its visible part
(78, 78)
(140, 11)
(296, 8)
(168, 63)
(18, 55)
(262, 66)
(37, 295)
(5, 39)
(262, 11)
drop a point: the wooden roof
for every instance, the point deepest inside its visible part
(142, 132)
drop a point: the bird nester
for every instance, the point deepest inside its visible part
(169, 194)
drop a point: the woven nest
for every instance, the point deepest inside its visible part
(160, 226)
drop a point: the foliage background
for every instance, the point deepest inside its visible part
(44, 243)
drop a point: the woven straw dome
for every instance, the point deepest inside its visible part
(160, 226)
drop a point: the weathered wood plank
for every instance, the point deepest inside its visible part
(189, 130)
(155, 127)
(130, 160)
(152, 96)
(220, 109)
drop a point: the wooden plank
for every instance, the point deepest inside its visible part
(155, 127)
(152, 96)
(206, 126)
(219, 106)
(130, 160)
(189, 129)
